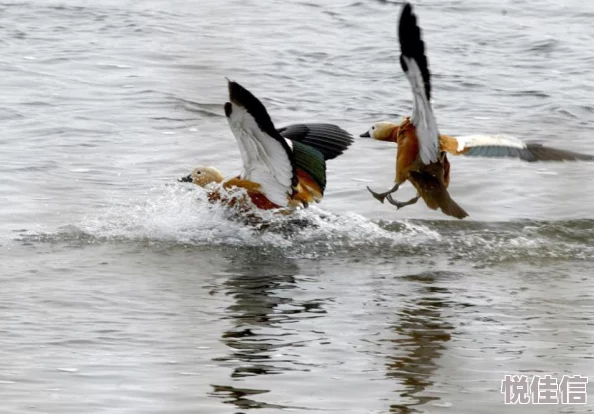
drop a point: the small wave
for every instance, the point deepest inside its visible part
(543, 46)
(209, 110)
(535, 93)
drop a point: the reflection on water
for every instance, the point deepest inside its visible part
(261, 289)
(422, 333)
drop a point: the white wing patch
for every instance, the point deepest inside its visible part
(422, 114)
(470, 141)
(265, 160)
(289, 143)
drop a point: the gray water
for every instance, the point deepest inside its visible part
(123, 291)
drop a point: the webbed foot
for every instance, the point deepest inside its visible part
(400, 204)
(382, 196)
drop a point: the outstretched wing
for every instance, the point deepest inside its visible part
(267, 156)
(329, 139)
(499, 146)
(414, 64)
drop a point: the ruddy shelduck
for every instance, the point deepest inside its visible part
(421, 157)
(283, 167)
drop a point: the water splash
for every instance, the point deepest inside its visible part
(182, 215)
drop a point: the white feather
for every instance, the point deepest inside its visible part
(470, 141)
(265, 160)
(422, 114)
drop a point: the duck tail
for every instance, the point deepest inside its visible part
(435, 194)
(450, 207)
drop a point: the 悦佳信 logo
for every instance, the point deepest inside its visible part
(518, 389)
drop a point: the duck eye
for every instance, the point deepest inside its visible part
(373, 127)
(198, 172)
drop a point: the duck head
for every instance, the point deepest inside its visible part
(382, 131)
(203, 176)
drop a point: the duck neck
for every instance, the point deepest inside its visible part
(395, 130)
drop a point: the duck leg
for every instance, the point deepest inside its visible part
(400, 204)
(382, 196)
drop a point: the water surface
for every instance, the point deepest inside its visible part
(124, 292)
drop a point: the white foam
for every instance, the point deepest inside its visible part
(182, 214)
(170, 213)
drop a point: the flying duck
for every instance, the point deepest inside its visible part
(419, 160)
(421, 157)
(283, 167)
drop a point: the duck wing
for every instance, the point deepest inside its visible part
(267, 156)
(415, 66)
(499, 146)
(329, 139)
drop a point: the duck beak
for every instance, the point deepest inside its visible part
(187, 179)
(365, 135)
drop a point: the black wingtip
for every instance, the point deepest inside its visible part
(240, 96)
(228, 109)
(412, 45)
(409, 32)
(238, 93)
(407, 11)
(539, 152)
(329, 139)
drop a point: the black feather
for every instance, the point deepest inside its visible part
(532, 153)
(329, 139)
(412, 45)
(542, 153)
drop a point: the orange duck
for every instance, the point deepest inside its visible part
(421, 158)
(283, 167)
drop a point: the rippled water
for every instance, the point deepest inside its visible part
(123, 291)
